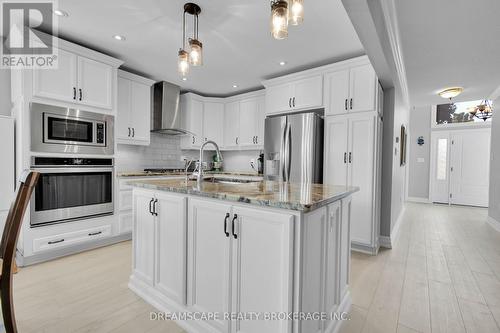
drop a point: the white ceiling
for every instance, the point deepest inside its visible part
(238, 48)
(450, 43)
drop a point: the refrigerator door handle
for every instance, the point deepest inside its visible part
(288, 151)
(282, 152)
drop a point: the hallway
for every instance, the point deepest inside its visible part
(443, 275)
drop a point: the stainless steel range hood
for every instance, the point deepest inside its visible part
(166, 110)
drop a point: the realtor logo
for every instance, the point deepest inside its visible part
(24, 45)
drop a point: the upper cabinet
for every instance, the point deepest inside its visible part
(192, 121)
(300, 94)
(213, 122)
(352, 89)
(133, 120)
(82, 77)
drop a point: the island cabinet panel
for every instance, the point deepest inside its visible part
(170, 272)
(345, 247)
(209, 260)
(262, 268)
(143, 237)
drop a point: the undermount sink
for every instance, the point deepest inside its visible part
(229, 181)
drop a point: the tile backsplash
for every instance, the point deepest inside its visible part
(163, 152)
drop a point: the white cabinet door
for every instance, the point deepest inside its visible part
(262, 264)
(249, 116)
(123, 112)
(332, 263)
(140, 116)
(308, 93)
(95, 83)
(336, 151)
(209, 259)
(170, 273)
(362, 89)
(143, 237)
(60, 83)
(231, 124)
(337, 92)
(213, 122)
(194, 122)
(279, 98)
(361, 173)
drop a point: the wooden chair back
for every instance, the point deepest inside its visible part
(9, 243)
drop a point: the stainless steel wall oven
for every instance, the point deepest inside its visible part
(71, 189)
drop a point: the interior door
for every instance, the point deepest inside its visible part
(361, 168)
(95, 82)
(262, 262)
(363, 88)
(209, 260)
(57, 83)
(338, 92)
(140, 111)
(336, 151)
(440, 142)
(249, 113)
(470, 167)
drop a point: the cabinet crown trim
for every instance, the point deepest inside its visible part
(134, 77)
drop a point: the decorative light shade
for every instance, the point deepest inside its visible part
(451, 92)
(279, 19)
(183, 62)
(195, 52)
(296, 12)
(483, 111)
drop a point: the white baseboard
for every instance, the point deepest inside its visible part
(419, 200)
(385, 241)
(494, 223)
(389, 241)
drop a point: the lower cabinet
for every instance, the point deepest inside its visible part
(240, 261)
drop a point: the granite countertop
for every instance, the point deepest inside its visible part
(126, 174)
(300, 197)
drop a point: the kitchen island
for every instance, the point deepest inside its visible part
(243, 256)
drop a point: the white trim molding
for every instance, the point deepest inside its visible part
(493, 223)
(389, 241)
(419, 200)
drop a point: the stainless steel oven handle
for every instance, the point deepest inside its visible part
(70, 169)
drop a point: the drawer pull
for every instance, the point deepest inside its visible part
(56, 241)
(95, 233)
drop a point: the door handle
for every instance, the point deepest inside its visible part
(80, 91)
(288, 153)
(293, 102)
(155, 213)
(74, 93)
(351, 104)
(225, 225)
(150, 208)
(232, 226)
(350, 157)
(345, 157)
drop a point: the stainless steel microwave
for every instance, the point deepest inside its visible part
(57, 129)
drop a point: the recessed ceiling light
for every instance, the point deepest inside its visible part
(235, 86)
(184, 79)
(282, 63)
(59, 12)
(119, 37)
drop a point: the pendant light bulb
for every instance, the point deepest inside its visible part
(183, 62)
(297, 12)
(279, 19)
(195, 52)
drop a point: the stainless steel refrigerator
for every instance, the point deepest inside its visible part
(293, 148)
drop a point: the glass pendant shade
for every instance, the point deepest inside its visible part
(183, 62)
(296, 12)
(279, 19)
(195, 52)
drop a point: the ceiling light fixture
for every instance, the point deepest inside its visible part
(282, 63)
(235, 86)
(59, 12)
(296, 12)
(483, 111)
(119, 37)
(279, 19)
(450, 93)
(184, 79)
(195, 54)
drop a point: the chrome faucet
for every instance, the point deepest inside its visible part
(200, 165)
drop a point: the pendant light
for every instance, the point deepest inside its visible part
(296, 12)
(195, 55)
(483, 111)
(279, 19)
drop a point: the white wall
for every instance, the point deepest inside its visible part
(5, 104)
(494, 202)
(420, 125)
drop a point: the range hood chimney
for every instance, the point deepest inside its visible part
(166, 109)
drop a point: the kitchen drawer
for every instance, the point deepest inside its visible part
(125, 221)
(125, 202)
(70, 238)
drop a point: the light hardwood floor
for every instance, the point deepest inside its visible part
(442, 276)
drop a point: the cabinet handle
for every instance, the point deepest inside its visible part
(232, 226)
(351, 104)
(95, 233)
(236, 140)
(74, 93)
(290, 102)
(257, 139)
(133, 132)
(253, 139)
(56, 241)
(193, 140)
(350, 157)
(129, 132)
(150, 208)
(155, 213)
(225, 225)
(293, 102)
(80, 91)
(345, 157)
(345, 104)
